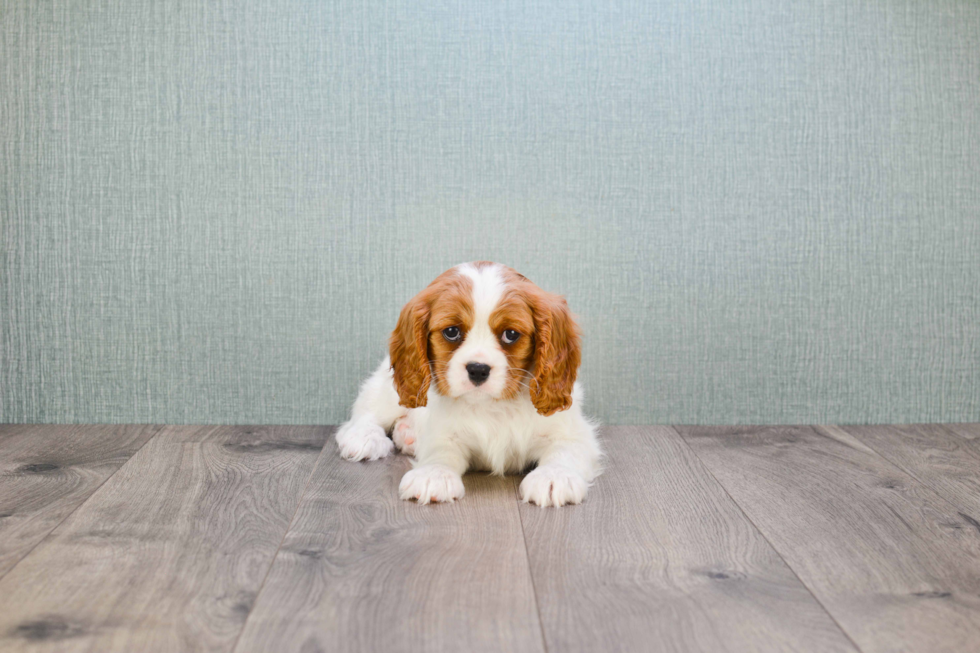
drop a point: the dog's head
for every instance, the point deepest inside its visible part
(485, 332)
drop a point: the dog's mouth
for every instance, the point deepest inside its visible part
(469, 390)
(464, 388)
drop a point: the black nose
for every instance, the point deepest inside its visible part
(479, 372)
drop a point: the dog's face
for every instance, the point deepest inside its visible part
(485, 332)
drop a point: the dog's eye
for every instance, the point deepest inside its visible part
(510, 336)
(452, 334)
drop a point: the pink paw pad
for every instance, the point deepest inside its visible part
(404, 436)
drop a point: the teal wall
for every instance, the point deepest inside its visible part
(763, 211)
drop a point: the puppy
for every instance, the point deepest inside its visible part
(481, 376)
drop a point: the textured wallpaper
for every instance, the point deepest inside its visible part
(762, 211)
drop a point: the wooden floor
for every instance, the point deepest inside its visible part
(148, 538)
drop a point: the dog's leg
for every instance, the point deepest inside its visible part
(566, 467)
(438, 476)
(364, 436)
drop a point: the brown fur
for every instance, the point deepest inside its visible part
(408, 346)
(452, 307)
(411, 345)
(557, 352)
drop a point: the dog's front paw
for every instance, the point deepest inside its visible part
(404, 435)
(431, 483)
(363, 439)
(553, 485)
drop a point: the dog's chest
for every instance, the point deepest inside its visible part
(501, 437)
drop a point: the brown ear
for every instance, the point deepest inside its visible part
(409, 348)
(557, 353)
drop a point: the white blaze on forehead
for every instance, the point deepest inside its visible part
(488, 287)
(480, 344)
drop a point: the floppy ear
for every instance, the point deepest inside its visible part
(409, 348)
(557, 353)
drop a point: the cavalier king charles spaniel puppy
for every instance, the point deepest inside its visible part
(481, 376)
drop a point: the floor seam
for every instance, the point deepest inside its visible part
(902, 468)
(530, 573)
(285, 534)
(161, 429)
(775, 550)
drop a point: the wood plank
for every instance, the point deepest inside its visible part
(932, 455)
(170, 552)
(361, 570)
(892, 561)
(47, 471)
(965, 431)
(658, 557)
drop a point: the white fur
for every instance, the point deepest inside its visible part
(473, 429)
(375, 411)
(431, 483)
(363, 439)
